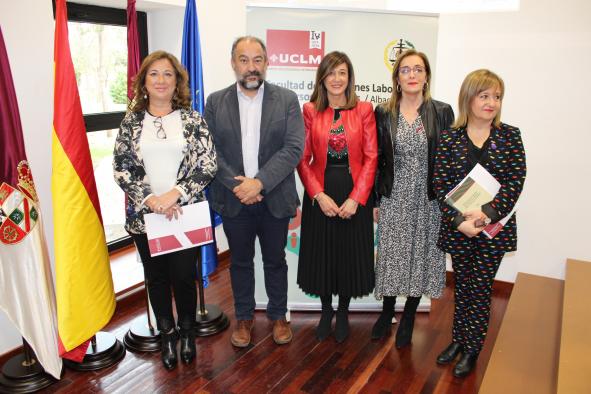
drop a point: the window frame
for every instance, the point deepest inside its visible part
(108, 120)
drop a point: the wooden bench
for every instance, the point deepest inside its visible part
(525, 355)
(574, 368)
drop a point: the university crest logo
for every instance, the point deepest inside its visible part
(395, 48)
(18, 211)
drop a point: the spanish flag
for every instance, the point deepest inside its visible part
(84, 286)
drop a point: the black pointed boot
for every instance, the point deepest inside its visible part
(407, 322)
(383, 326)
(341, 331)
(188, 349)
(168, 338)
(324, 325)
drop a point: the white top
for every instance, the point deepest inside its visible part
(251, 110)
(162, 156)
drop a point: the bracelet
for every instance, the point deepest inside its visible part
(314, 199)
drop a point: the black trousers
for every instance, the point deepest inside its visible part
(177, 270)
(241, 231)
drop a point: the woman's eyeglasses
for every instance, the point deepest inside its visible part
(416, 69)
(160, 133)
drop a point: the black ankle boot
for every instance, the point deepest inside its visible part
(188, 349)
(407, 322)
(405, 329)
(341, 331)
(449, 354)
(323, 328)
(383, 326)
(465, 365)
(168, 349)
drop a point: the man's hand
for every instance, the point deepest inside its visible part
(249, 190)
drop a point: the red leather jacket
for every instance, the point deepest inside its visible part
(361, 136)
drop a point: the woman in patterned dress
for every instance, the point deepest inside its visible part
(337, 170)
(408, 263)
(477, 137)
(163, 159)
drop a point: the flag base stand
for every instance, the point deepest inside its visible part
(104, 351)
(210, 321)
(22, 376)
(141, 337)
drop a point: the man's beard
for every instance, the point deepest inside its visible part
(251, 85)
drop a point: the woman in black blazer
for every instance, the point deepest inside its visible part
(477, 137)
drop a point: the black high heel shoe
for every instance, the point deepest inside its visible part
(341, 331)
(324, 325)
(168, 349)
(449, 354)
(382, 326)
(405, 329)
(188, 349)
(465, 365)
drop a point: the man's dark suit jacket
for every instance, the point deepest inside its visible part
(280, 149)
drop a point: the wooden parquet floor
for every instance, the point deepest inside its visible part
(303, 366)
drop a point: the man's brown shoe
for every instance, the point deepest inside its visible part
(281, 332)
(241, 334)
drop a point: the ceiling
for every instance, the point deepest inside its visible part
(405, 6)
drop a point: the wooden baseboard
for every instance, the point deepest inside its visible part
(8, 355)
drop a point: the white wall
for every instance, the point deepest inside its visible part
(543, 53)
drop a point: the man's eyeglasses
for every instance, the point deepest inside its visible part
(160, 133)
(416, 69)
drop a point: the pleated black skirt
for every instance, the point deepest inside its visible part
(336, 255)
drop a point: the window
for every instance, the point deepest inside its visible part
(98, 43)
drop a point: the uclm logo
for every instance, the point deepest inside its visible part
(295, 48)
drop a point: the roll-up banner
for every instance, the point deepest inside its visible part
(296, 42)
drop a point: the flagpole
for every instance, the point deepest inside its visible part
(141, 336)
(210, 319)
(24, 374)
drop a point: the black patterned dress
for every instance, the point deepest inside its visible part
(409, 262)
(336, 255)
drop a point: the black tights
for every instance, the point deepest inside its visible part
(327, 303)
(410, 307)
(177, 270)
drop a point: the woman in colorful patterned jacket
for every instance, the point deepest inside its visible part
(477, 137)
(163, 159)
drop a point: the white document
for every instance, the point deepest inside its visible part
(191, 229)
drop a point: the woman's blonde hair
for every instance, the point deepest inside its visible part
(181, 97)
(394, 102)
(475, 83)
(330, 62)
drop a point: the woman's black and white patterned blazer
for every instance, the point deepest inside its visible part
(196, 171)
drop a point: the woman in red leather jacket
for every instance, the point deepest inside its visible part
(337, 170)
